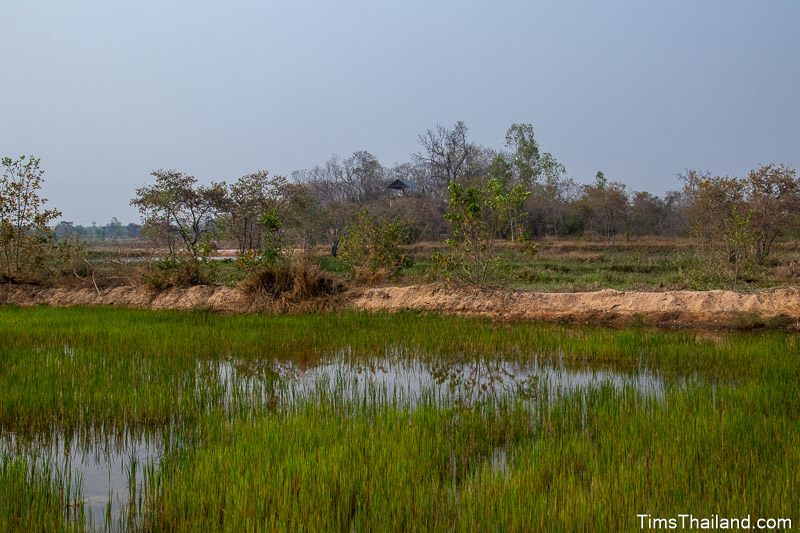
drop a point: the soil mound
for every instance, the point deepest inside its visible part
(780, 307)
(773, 308)
(218, 298)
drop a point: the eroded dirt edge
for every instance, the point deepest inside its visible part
(771, 308)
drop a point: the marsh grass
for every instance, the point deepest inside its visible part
(37, 495)
(239, 452)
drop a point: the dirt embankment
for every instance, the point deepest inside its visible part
(780, 307)
(218, 298)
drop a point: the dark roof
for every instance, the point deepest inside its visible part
(400, 185)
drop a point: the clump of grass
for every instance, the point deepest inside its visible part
(287, 285)
(593, 461)
(36, 496)
(317, 467)
(180, 272)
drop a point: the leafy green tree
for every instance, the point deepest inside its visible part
(525, 152)
(478, 215)
(176, 208)
(248, 200)
(371, 244)
(722, 221)
(529, 164)
(26, 239)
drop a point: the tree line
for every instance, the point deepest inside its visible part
(314, 206)
(451, 189)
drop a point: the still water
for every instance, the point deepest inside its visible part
(110, 471)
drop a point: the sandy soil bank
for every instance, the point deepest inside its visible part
(780, 307)
(218, 298)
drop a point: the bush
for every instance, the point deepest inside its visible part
(479, 215)
(182, 271)
(371, 244)
(288, 285)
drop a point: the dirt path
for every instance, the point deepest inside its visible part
(780, 307)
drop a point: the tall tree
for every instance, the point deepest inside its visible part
(24, 221)
(248, 199)
(175, 205)
(647, 214)
(605, 206)
(721, 220)
(773, 193)
(530, 165)
(447, 152)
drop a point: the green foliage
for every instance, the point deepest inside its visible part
(272, 223)
(254, 213)
(371, 244)
(181, 271)
(28, 247)
(478, 215)
(175, 208)
(35, 496)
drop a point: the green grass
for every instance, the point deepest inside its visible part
(570, 265)
(724, 437)
(36, 496)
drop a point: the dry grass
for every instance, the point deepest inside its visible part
(295, 286)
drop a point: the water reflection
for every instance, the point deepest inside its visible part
(107, 471)
(401, 380)
(112, 469)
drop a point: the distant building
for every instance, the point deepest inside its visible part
(402, 188)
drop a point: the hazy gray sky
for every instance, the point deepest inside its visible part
(105, 91)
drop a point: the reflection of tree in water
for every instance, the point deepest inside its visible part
(472, 380)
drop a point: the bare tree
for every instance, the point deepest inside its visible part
(447, 153)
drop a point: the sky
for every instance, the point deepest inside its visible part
(106, 91)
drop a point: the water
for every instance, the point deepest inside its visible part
(402, 380)
(111, 470)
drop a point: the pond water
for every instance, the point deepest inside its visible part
(111, 471)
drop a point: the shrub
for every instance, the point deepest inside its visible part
(297, 285)
(372, 244)
(183, 271)
(479, 215)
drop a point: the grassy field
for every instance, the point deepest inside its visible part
(570, 265)
(281, 422)
(643, 264)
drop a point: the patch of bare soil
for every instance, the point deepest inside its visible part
(218, 298)
(779, 307)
